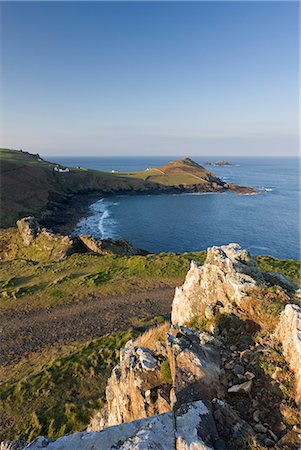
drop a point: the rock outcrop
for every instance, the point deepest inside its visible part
(28, 228)
(191, 427)
(137, 387)
(227, 277)
(108, 246)
(194, 363)
(192, 390)
(289, 334)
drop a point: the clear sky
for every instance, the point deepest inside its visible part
(142, 78)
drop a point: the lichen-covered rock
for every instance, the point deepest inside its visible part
(289, 334)
(195, 427)
(228, 275)
(194, 363)
(28, 228)
(153, 433)
(191, 427)
(136, 387)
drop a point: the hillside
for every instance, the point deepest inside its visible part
(230, 357)
(31, 185)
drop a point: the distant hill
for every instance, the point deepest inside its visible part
(29, 184)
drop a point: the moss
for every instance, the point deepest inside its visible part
(165, 371)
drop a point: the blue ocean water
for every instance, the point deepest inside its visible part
(264, 223)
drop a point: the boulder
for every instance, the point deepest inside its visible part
(195, 427)
(28, 228)
(228, 275)
(153, 433)
(194, 364)
(288, 333)
(108, 246)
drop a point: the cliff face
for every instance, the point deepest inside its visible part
(227, 389)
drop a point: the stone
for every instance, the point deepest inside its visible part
(229, 423)
(152, 433)
(269, 442)
(99, 421)
(260, 428)
(256, 415)
(28, 228)
(195, 367)
(195, 427)
(249, 375)
(136, 388)
(108, 246)
(288, 332)
(238, 369)
(276, 278)
(243, 388)
(228, 275)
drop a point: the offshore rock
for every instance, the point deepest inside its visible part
(228, 275)
(194, 364)
(289, 334)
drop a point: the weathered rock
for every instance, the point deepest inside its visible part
(108, 246)
(228, 275)
(230, 426)
(136, 387)
(153, 433)
(99, 421)
(276, 278)
(289, 334)
(28, 228)
(194, 363)
(195, 427)
(243, 388)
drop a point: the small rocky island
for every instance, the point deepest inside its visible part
(212, 379)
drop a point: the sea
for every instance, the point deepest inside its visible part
(265, 223)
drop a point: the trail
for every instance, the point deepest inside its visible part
(23, 332)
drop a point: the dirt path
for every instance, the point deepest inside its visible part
(24, 332)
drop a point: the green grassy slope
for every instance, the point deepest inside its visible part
(56, 391)
(45, 284)
(28, 183)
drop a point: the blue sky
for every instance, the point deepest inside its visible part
(139, 78)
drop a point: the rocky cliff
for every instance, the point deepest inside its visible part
(229, 379)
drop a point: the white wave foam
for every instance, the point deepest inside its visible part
(99, 223)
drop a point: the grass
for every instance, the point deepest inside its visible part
(45, 284)
(59, 395)
(289, 267)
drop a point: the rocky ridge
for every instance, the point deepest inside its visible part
(32, 241)
(226, 385)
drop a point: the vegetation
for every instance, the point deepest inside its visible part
(59, 395)
(45, 284)
(44, 183)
